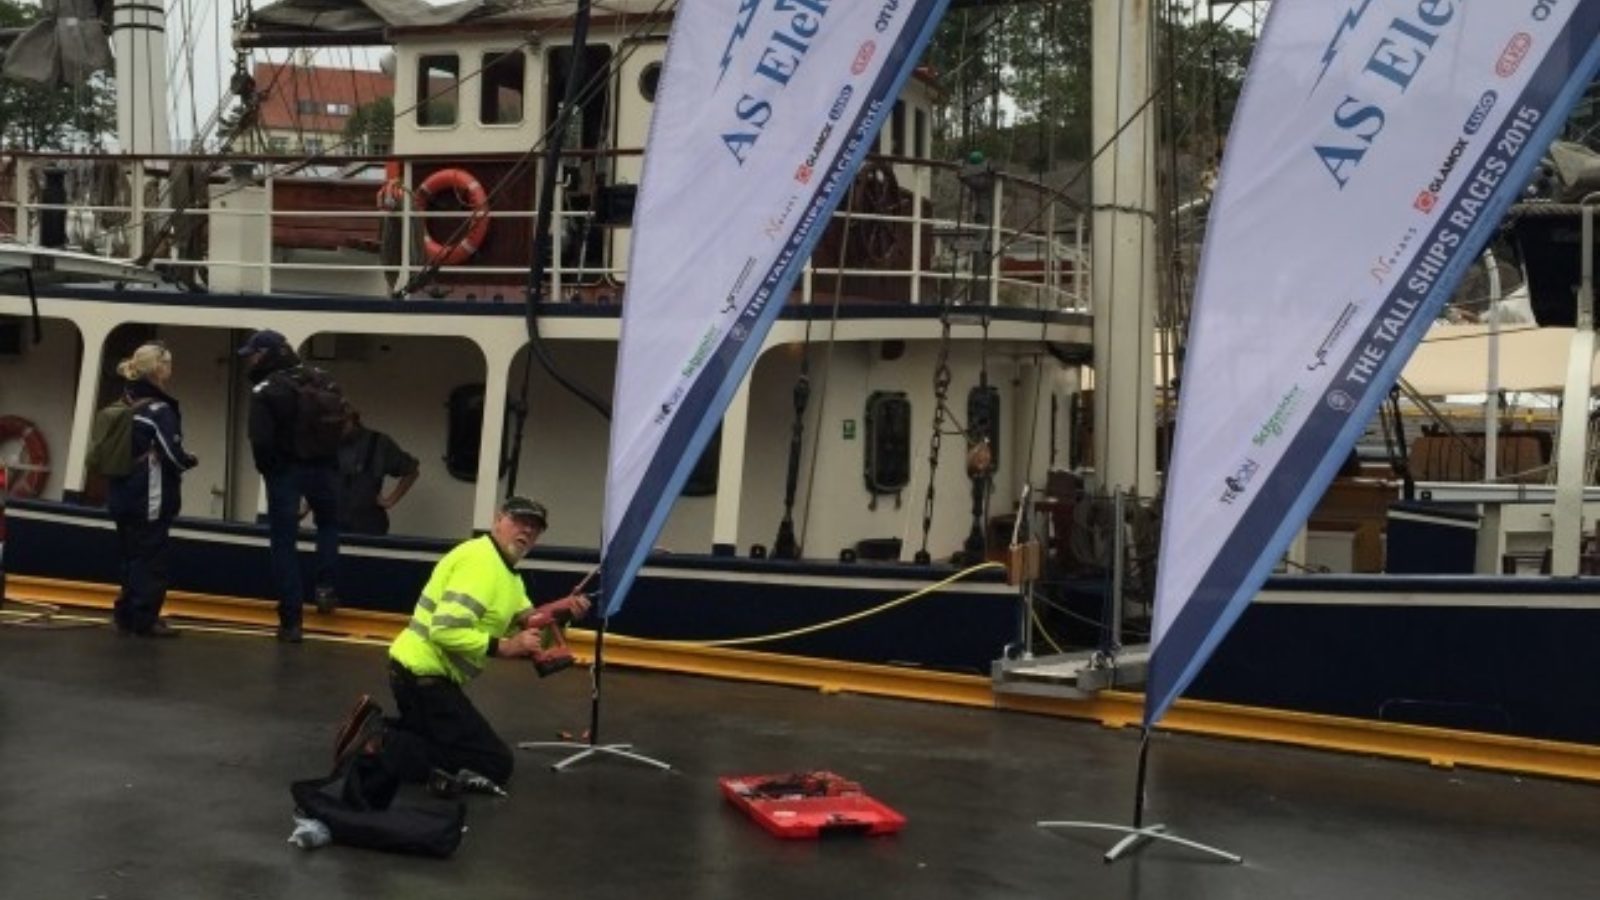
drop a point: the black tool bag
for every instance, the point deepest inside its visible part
(356, 803)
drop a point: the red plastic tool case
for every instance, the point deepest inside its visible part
(809, 805)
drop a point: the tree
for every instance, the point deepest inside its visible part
(1018, 82)
(1207, 71)
(39, 117)
(966, 57)
(370, 128)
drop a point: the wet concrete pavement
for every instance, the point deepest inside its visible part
(160, 769)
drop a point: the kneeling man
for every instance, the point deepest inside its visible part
(475, 607)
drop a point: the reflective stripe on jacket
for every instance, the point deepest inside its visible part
(471, 597)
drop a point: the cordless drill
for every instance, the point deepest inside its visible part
(557, 655)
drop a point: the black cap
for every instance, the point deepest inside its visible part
(523, 508)
(265, 339)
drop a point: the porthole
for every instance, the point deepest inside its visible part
(649, 79)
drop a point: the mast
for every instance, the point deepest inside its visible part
(139, 39)
(1123, 250)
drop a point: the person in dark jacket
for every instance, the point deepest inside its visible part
(144, 502)
(366, 459)
(274, 406)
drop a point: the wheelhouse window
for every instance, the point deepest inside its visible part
(504, 79)
(438, 89)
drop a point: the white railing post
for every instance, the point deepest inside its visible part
(558, 206)
(406, 223)
(919, 188)
(1080, 267)
(995, 235)
(136, 229)
(25, 233)
(1052, 278)
(266, 230)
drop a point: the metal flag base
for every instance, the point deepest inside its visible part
(1138, 834)
(592, 747)
(1136, 838)
(587, 750)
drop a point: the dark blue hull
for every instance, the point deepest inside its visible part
(1513, 656)
(1508, 656)
(961, 628)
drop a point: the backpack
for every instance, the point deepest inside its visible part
(111, 439)
(319, 413)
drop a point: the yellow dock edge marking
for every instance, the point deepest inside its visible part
(1439, 747)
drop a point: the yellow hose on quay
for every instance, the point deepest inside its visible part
(834, 623)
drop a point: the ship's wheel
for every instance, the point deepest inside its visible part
(876, 194)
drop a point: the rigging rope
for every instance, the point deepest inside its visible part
(542, 244)
(827, 366)
(1164, 86)
(842, 620)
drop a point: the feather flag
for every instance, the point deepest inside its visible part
(765, 111)
(1376, 146)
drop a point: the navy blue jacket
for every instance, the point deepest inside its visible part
(151, 492)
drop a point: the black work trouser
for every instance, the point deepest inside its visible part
(144, 573)
(439, 728)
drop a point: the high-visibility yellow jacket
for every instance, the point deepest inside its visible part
(469, 602)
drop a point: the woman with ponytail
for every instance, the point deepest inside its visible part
(146, 500)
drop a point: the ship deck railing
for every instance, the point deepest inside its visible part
(273, 223)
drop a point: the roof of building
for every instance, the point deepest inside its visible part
(331, 95)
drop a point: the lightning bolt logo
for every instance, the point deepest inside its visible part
(1352, 17)
(741, 27)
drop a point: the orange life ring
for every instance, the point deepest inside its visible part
(33, 463)
(472, 196)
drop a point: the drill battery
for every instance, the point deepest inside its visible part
(549, 662)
